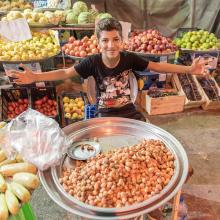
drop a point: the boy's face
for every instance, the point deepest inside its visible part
(110, 42)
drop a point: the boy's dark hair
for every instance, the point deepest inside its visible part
(108, 24)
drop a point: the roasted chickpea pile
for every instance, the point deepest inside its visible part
(121, 177)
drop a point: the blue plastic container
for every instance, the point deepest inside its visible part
(90, 111)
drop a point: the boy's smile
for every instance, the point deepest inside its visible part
(110, 43)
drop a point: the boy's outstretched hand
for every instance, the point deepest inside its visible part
(199, 67)
(25, 77)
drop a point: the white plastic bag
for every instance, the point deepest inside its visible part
(37, 138)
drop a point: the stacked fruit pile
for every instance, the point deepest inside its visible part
(81, 48)
(81, 14)
(121, 177)
(46, 106)
(17, 180)
(210, 88)
(37, 16)
(149, 41)
(189, 87)
(16, 108)
(42, 45)
(156, 93)
(73, 108)
(14, 4)
(197, 40)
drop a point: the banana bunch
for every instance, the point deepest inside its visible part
(17, 180)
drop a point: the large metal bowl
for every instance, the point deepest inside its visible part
(117, 132)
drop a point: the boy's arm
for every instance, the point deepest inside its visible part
(28, 77)
(168, 68)
(197, 67)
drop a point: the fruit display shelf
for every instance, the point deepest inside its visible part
(188, 86)
(152, 54)
(50, 9)
(75, 58)
(43, 44)
(202, 51)
(89, 25)
(201, 40)
(28, 61)
(73, 28)
(37, 25)
(211, 92)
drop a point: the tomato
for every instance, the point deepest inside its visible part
(72, 39)
(20, 101)
(21, 108)
(10, 116)
(25, 101)
(41, 111)
(10, 108)
(50, 102)
(38, 102)
(54, 113)
(17, 111)
(67, 51)
(72, 53)
(54, 103)
(10, 104)
(45, 98)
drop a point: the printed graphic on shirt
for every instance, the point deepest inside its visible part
(115, 91)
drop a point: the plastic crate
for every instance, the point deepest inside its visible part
(150, 79)
(70, 95)
(13, 95)
(38, 93)
(90, 111)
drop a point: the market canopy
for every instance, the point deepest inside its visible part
(166, 15)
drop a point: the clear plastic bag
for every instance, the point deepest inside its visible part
(37, 138)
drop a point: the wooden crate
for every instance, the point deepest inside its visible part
(141, 97)
(209, 104)
(188, 103)
(164, 105)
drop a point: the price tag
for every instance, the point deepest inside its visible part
(40, 3)
(93, 7)
(126, 29)
(163, 76)
(35, 67)
(163, 59)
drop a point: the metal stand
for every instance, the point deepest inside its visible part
(176, 203)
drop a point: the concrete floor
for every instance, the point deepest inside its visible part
(199, 133)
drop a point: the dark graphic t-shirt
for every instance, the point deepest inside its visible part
(113, 84)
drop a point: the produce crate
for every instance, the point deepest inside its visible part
(210, 104)
(188, 103)
(68, 121)
(42, 104)
(164, 105)
(169, 85)
(13, 95)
